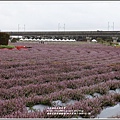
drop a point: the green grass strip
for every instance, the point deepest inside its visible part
(7, 46)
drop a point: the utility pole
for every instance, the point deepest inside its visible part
(24, 27)
(113, 26)
(58, 26)
(108, 26)
(18, 27)
(18, 30)
(64, 27)
(61, 27)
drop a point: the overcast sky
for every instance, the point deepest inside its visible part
(59, 15)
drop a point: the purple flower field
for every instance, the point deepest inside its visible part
(58, 71)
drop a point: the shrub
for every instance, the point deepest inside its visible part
(100, 40)
(4, 38)
(14, 40)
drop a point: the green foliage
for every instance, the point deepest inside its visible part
(105, 41)
(4, 38)
(108, 40)
(29, 104)
(7, 46)
(14, 40)
(100, 40)
(46, 102)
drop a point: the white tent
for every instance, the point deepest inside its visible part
(94, 40)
